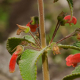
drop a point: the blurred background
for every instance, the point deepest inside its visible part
(14, 12)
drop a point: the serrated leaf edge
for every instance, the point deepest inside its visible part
(7, 45)
(35, 63)
(70, 75)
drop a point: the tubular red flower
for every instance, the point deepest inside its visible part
(72, 60)
(68, 18)
(32, 27)
(14, 57)
(13, 62)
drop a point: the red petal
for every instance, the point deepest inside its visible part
(73, 60)
(69, 57)
(76, 58)
(68, 17)
(32, 27)
(13, 62)
(28, 24)
(68, 64)
(74, 65)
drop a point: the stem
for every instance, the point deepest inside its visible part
(55, 31)
(69, 47)
(31, 47)
(43, 40)
(68, 36)
(35, 40)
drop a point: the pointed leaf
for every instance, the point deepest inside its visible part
(27, 64)
(75, 74)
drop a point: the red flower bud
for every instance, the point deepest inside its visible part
(72, 60)
(32, 27)
(68, 19)
(14, 57)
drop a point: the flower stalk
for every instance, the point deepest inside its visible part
(35, 40)
(68, 36)
(55, 31)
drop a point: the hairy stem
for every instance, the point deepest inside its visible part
(55, 31)
(68, 36)
(35, 40)
(43, 40)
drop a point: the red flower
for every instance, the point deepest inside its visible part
(32, 27)
(72, 60)
(14, 58)
(13, 62)
(68, 18)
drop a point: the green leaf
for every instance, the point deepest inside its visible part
(75, 74)
(77, 44)
(70, 2)
(77, 70)
(27, 64)
(30, 39)
(12, 43)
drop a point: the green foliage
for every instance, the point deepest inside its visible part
(27, 61)
(61, 16)
(77, 44)
(27, 30)
(75, 74)
(27, 64)
(35, 20)
(68, 47)
(70, 2)
(30, 39)
(12, 43)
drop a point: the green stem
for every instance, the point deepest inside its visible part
(43, 40)
(69, 47)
